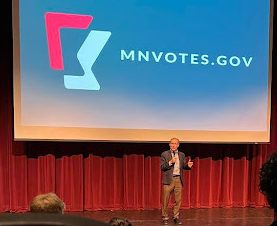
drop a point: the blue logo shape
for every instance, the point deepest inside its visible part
(87, 55)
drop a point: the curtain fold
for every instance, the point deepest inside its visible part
(69, 181)
(133, 174)
(103, 183)
(41, 175)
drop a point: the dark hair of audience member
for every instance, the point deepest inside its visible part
(118, 221)
(268, 180)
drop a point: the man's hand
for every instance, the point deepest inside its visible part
(173, 160)
(190, 163)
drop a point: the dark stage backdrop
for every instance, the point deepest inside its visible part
(94, 176)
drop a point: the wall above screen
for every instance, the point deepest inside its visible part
(142, 71)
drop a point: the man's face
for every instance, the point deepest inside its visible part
(174, 144)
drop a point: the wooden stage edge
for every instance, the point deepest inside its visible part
(192, 217)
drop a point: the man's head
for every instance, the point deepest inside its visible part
(268, 180)
(174, 144)
(47, 203)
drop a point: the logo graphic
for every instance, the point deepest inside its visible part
(87, 54)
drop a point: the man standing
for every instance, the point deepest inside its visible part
(172, 166)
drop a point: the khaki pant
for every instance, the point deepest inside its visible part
(175, 186)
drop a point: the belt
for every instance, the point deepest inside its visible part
(176, 175)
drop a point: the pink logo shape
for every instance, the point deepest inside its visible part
(54, 22)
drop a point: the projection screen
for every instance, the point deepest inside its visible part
(142, 71)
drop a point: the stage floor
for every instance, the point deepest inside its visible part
(192, 217)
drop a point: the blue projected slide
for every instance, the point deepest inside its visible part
(142, 70)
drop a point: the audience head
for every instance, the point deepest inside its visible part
(268, 180)
(117, 221)
(47, 203)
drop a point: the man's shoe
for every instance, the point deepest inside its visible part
(165, 221)
(177, 221)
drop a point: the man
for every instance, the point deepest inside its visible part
(47, 203)
(172, 166)
(268, 183)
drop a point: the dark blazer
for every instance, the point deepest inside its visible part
(168, 170)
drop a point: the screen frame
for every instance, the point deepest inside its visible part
(22, 132)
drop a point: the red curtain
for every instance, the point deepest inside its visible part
(94, 176)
